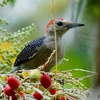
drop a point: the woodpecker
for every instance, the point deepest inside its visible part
(36, 53)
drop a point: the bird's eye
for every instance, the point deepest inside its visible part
(59, 23)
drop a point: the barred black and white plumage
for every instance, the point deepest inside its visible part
(29, 51)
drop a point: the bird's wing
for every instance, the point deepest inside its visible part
(29, 51)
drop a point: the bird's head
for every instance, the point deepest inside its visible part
(62, 26)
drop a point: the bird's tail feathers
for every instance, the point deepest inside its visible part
(15, 68)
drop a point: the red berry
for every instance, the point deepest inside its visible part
(45, 80)
(13, 82)
(8, 90)
(21, 94)
(14, 97)
(52, 91)
(37, 96)
(62, 98)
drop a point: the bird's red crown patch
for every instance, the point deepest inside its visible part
(51, 22)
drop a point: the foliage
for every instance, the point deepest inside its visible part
(14, 39)
(4, 2)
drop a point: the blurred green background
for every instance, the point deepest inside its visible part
(80, 44)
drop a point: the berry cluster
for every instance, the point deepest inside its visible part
(12, 84)
(40, 85)
(46, 82)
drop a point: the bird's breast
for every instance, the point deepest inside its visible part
(49, 44)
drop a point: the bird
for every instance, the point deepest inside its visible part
(37, 52)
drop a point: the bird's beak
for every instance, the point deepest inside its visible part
(73, 25)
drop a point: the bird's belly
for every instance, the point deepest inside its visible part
(41, 57)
